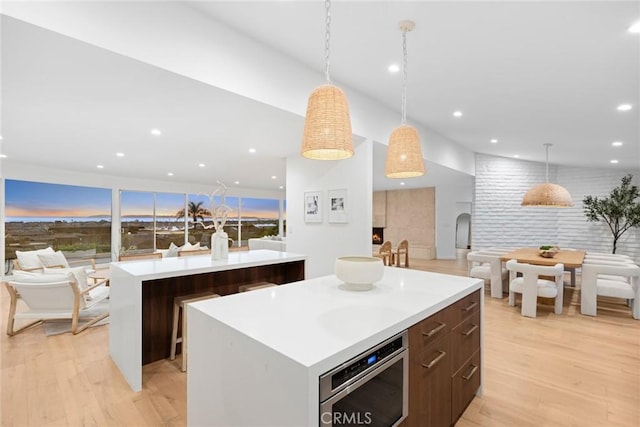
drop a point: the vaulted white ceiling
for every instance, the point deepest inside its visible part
(525, 73)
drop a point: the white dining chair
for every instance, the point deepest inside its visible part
(531, 286)
(488, 266)
(621, 280)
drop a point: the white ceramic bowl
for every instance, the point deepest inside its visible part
(359, 273)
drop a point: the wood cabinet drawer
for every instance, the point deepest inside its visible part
(464, 386)
(435, 326)
(465, 339)
(430, 386)
(463, 308)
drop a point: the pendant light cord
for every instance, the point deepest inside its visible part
(327, 39)
(547, 162)
(404, 77)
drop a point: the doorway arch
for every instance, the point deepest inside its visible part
(463, 231)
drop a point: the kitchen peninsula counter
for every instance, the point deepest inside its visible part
(142, 293)
(255, 358)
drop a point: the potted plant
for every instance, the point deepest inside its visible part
(620, 211)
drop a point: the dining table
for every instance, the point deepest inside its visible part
(571, 259)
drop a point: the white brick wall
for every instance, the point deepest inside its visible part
(499, 220)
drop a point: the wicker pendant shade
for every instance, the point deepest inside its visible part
(547, 194)
(327, 128)
(404, 155)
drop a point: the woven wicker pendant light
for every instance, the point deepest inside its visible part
(327, 127)
(547, 194)
(404, 155)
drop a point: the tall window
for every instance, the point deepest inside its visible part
(201, 224)
(260, 218)
(137, 221)
(169, 220)
(70, 218)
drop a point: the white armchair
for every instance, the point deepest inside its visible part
(605, 280)
(531, 286)
(54, 296)
(488, 266)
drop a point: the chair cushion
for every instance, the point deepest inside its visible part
(76, 274)
(546, 288)
(614, 288)
(612, 277)
(29, 260)
(481, 272)
(97, 294)
(29, 277)
(55, 259)
(173, 250)
(189, 247)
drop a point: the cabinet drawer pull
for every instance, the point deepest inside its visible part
(470, 374)
(470, 331)
(434, 330)
(471, 306)
(436, 360)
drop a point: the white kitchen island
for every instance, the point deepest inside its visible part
(255, 358)
(142, 293)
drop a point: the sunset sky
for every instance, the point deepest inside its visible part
(34, 199)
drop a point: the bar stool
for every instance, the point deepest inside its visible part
(255, 286)
(179, 304)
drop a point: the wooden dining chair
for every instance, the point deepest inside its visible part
(400, 252)
(386, 253)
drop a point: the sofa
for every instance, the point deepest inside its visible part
(274, 243)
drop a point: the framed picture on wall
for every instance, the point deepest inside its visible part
(313, 206)
(338, 206)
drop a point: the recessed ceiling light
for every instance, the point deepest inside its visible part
(394, 68)
(120, 154)
(237, 182)
(273, 177)
(402, 183)
(617, 143)
(201, 165)
(516, 155)
(457, 114)
(156, 132)
(3, 156)
(252, 150)
(0, 137)
(170, 174)
(494, 141)
(614, 161)
(635, 28)
(624, 107)
(100, 166)
(281, 187)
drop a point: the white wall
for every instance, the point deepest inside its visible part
(324, 242)
(499, 220)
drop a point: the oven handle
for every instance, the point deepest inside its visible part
(327, 404)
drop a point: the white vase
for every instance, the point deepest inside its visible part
(219, 245)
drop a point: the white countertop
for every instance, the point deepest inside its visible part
(180, 266)
(317, 322)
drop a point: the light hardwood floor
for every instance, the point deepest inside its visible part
(566, 370)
